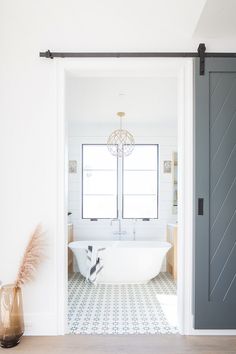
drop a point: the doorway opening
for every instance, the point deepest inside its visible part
(125, 213)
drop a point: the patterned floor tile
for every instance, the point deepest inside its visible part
(122, 308)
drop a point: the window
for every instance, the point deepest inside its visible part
(136, 175)
(140, 183)
(99, 183)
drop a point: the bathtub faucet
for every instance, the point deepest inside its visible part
(119, 232)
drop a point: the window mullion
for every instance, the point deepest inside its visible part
(120, 187)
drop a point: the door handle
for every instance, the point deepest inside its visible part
(200, 206)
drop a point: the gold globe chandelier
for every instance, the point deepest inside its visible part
(120, 142)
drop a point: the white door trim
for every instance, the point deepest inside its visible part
(185, 209)
(185, 195)
(62, 207)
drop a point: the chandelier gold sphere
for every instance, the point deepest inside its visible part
(120, 142)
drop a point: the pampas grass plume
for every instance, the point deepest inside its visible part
(33, 256)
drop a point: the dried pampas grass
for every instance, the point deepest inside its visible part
(33, 256)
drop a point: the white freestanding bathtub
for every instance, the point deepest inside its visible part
(123, 261)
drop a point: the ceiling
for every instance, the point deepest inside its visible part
(144, 99)
(217, 20)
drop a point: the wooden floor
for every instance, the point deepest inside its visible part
(131, 344)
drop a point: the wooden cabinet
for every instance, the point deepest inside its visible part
(70, 254)
(171, 258)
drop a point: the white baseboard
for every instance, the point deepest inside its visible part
(40, 324)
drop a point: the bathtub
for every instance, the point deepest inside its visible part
(133, 262)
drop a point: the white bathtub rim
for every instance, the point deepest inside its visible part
(119, 244)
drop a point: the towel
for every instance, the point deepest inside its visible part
(94, 263)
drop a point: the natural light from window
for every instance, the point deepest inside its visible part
(140, 183)
(99, 183)
(131, 182)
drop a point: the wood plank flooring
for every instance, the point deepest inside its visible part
(130, 344)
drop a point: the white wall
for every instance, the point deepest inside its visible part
(151, 109)
(28, 111)
(154, 229)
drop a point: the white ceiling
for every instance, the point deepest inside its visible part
(144, 99)
(217, 20)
